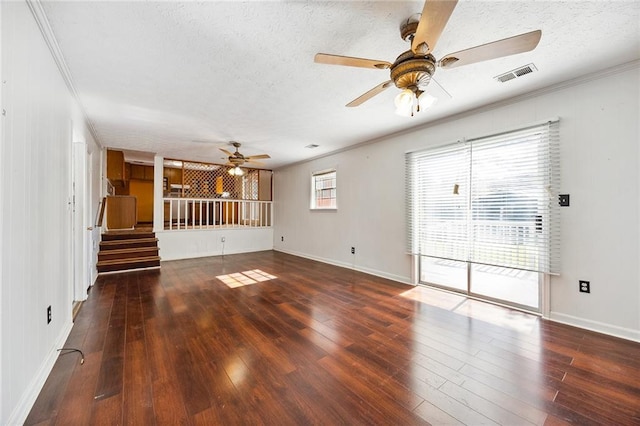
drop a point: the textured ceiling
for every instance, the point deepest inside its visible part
(181, 79)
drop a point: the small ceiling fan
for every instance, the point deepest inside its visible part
(236, 159)
(413, 70)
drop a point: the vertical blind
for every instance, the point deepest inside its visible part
(490, 200)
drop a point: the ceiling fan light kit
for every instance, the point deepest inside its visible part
(236, 159)
(413, 70)
(236, 171)
(407, 103)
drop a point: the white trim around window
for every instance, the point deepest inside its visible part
(323, 195)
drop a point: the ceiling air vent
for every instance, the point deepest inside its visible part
(518, 72)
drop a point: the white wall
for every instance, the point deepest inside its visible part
(187, 244)
(370, 214)
(35, 183)
(599, 136)
(3, 388)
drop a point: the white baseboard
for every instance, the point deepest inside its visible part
(597, 326)
(28, 398)
(375, 272)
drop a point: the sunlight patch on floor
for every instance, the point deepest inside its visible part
(498, 315)
(484, 311)
(240, 279)
(440, 299)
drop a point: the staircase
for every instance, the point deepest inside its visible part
(124, 251)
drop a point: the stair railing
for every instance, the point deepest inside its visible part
(101, 208)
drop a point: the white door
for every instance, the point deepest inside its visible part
(80, 224)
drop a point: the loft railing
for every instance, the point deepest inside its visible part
(207, 213)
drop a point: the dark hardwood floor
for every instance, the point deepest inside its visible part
(309, 343)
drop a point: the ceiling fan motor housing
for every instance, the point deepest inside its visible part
(410, 70)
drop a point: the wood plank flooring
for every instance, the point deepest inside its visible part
(218, 341)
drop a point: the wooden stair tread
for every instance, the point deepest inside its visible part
(133, 240)
(127, 236)
(128, 250)
(142, 243)
(128, 261)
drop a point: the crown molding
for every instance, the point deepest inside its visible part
(47, 33)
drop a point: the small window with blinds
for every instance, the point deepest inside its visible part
(489, 200)
(323, 190)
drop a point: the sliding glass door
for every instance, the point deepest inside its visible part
(483, 215)
(514, 287)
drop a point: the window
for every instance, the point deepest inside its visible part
(323, 190)
(483, 213)
(514, 200)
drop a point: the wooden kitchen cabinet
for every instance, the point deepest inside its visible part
(137, 172)
(148, 173)
(115, 165)
(141, 172)
(264, 185)
(174, 176)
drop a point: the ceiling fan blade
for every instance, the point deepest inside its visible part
(256, 163)
(226, 152)
(325, 58)
(370, 94)
(257, 157)
(497, 49)
(435, 15)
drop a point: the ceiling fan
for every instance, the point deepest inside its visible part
(236, 159)
(413, 70)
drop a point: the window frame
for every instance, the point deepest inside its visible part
(313, 202)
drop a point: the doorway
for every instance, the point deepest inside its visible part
(143, 191)
(81, 221)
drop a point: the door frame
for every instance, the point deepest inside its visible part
(543, 289)
(80, 203)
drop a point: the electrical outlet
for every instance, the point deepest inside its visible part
(48, 314)
(281, 238)
(353, 250)
(223, 239)
(585, 286)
